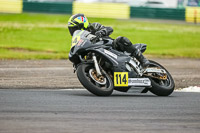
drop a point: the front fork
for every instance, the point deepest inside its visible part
(96, 65)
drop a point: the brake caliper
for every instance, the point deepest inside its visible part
(155, 72)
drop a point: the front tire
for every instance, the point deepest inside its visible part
(84, 76)
(160, 87)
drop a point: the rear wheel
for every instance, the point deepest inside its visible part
(98, 85)
(161, 87)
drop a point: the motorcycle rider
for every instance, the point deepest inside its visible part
(80, 22)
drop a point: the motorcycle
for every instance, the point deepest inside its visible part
(102, 69)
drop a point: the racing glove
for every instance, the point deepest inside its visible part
(100, 33)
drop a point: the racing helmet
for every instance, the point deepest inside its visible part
(77, 22)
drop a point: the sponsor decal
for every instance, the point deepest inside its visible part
(139, 82)
(80, 42)
(110, 53)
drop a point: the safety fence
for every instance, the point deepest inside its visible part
(48, 7)
(105, 10)
(158, 13)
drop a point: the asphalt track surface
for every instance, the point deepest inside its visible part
(78, 111)
(42, 96)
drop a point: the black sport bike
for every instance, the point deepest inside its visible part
(102, 69)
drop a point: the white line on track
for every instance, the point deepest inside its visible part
(190, 89)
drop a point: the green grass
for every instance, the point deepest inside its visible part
(45, 36)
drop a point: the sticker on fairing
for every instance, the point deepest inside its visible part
(75, 40)
(110, 53)
(139, 82)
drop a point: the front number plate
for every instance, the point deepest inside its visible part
(121, 79)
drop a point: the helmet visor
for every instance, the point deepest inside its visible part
(72, 29)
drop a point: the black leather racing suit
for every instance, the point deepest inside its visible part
(120, 43)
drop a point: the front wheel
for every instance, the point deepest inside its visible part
(98, 85)
(161, 87)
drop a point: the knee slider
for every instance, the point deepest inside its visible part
(122, 43)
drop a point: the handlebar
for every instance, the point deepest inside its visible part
(93, 40)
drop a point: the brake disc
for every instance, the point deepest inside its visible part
(157, 76)
(99, 79)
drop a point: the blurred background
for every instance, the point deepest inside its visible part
(37, 29)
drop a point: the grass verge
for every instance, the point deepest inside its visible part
(45, 36)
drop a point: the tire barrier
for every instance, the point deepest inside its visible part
(103, 10)
(192, 14)
(11, 6)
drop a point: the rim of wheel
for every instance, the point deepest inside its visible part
(160, 82)
(99, 79)
(105, 85)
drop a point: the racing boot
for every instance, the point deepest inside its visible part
(138, 55)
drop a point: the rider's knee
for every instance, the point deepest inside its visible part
(121, 43)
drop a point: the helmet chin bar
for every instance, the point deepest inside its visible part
(80, 26)
(73, 29)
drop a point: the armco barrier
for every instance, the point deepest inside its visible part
(48, 7)
(157, 13)
(103, 10)
(10, 6)
(192, 14)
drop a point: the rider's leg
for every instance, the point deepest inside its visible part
(124, 44)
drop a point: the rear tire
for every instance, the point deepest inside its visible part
(89, 83)
(167, 86)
